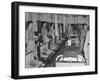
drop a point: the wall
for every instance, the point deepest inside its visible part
(5, 40)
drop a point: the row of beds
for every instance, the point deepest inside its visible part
(53, 56)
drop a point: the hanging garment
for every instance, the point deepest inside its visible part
(86, 47)
(44, 34)
(83, 36)
(52, 32)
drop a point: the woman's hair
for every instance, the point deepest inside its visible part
(88, 28)
(27, 24)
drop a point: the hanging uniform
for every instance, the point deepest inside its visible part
(86, 47)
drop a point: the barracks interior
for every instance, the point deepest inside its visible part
(56, 40)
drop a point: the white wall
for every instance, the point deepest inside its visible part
(5, 41)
